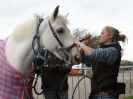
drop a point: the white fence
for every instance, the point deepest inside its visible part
(83, 89)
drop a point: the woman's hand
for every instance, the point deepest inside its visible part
(86, 39)
(77, 42)
(86, 49)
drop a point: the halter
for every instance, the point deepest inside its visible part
(36, 38)
(65, 50)
(39, 59)
(55, 35)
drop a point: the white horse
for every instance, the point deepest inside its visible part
(16, 53)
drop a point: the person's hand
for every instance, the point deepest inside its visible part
(76, 41)
(86, 39)
(79, 44)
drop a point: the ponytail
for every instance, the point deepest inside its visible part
(122, 38)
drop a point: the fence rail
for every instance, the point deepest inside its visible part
(84, 87)
(83, 90)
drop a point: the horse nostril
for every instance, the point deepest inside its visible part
(77, 58)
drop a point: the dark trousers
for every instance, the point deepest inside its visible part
(55, 94)
(103, 97)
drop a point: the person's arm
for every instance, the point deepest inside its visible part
(87, 50)
(107, 55)
(86, 59)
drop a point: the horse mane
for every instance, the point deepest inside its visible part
(29, 28)
(25, 30)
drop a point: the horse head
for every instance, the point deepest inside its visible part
(53, 34)
(56, 37)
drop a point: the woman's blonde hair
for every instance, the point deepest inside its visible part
(116, 36)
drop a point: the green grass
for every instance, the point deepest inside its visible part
(131, 85)
(129, 97)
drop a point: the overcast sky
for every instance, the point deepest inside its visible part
(92, 15)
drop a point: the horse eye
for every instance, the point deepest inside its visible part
(60, 30)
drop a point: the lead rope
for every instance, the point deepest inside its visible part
(85, 76)
(39, 62)
(36, 41)
(61, 86)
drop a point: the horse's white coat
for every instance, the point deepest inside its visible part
(18, 49)
(19, 44)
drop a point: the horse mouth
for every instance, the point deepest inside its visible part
(77, 59)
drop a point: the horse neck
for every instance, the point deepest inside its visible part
(20, 55)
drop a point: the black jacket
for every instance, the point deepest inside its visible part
(55, 75)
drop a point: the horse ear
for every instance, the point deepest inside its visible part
(56, 12)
